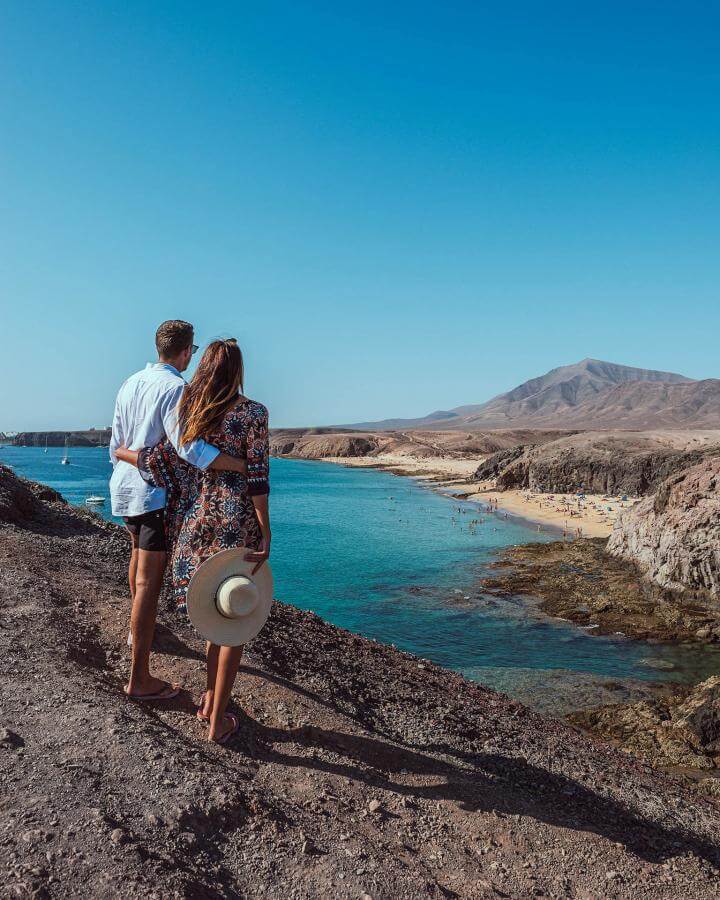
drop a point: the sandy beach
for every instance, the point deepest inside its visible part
(590, 516)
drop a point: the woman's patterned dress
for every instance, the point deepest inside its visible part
(209, 511)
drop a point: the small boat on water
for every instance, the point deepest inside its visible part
(94, 501)
(46, 444)
(65, 461)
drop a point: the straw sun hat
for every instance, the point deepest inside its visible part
(227, 603)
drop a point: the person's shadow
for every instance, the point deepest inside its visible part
(475, 781)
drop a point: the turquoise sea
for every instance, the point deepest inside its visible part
(388, 558)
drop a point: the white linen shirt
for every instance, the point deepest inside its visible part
(145, 413)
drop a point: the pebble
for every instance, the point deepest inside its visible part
(374, 806)
(118, 836)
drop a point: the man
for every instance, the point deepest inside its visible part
(145, 413)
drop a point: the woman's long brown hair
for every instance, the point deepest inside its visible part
(212, 391)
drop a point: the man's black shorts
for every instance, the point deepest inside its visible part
(148, 530)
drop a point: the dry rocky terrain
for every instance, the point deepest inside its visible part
(360, 771)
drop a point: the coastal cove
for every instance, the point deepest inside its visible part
(388, 559)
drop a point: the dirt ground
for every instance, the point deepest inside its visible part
(359, 771)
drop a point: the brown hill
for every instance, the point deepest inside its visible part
(591, 393)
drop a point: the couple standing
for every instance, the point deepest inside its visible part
(190, 480)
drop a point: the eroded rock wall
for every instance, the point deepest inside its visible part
(598, 465)
(674, 536)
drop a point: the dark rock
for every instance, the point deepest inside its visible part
(10, 740)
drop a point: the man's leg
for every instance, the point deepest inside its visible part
(148, 582)
(132, 574)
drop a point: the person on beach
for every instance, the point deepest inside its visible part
(145, 412)
(210, 511)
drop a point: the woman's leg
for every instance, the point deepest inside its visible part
(227, 666)
(212, 652)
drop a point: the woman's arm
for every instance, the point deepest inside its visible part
(222, 461)
(262, 510)
(196, 452)
(258, 459)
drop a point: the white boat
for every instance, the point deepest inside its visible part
(65, 461)
(46, 443)
(95, 501)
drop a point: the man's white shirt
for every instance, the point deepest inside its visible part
(146, 412)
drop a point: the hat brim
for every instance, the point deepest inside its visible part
(201, 592)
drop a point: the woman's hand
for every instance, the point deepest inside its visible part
(262, 511)
(262, 554)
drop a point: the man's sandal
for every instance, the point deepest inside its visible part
(169, 692)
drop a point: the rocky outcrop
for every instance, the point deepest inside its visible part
(595, 462)
(674, 537)
(579, 582)
(676, 730)
(319, 446)
(21, 500)
(497, 464)
(91, 437)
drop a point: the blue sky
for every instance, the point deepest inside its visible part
(394, 207)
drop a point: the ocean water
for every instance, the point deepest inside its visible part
(387, 558)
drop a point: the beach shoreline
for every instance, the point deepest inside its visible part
(593, 515)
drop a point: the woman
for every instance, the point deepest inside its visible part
(209, 511)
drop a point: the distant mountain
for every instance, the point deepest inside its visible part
(639, 405)
(591, 393)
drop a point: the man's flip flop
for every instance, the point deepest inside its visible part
(234, 730)
(169, 692)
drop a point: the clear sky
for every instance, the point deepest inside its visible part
(395, 207)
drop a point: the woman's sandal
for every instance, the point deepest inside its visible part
(200, 715)
(223, 739)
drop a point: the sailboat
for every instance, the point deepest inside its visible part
(65, 461)
(46, 443)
